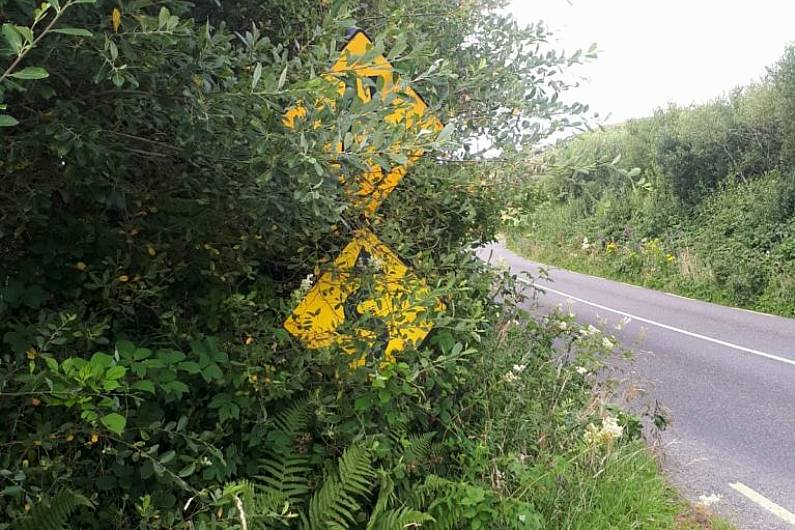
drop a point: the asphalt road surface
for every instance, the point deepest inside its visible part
(727, 375)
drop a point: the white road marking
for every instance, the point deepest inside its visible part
(664, 326)
(782, 513)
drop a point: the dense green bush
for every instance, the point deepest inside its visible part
(710, 185)
(158, 222)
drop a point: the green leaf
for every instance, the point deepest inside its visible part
(115, 372)
(12, 491)
(175, 387)
(26, 33)
(12, 36)
(212, 371)
(146, 386)
(52, 364)
(282, 78)
(170, 356)
(257, 74)
(7, 121)
(162, 17)
(31, 72)
(190, 367)
(77, 32)
(114, 422)
(187, 470)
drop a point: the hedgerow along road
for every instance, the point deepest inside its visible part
(727, 375)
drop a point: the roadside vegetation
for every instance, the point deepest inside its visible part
(158, 222)
(699, 201)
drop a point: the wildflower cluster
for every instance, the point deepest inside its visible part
(604, 435)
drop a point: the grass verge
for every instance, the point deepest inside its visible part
(549, 435)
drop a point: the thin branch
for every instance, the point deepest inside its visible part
(25, 51)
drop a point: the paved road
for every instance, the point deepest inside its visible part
(727, 375)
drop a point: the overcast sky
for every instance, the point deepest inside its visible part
(657, 51)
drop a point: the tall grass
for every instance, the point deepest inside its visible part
(532, 439)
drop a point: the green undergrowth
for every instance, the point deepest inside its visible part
(158, 224)
(737, 248)
(696, 200)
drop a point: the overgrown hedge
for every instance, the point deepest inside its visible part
(712, 186)
(157, 222)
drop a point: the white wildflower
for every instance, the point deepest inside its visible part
(604, 435)
(610, 425)
(581, 370)
(510, 377)
(608, 345)
(585, 244)
(519, 368)
(306, 283)
(562, 325)
(591, 330)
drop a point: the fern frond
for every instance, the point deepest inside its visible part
(292, 420)
(385, 498)
(54, 515)
(441, 499)
(355, 470)
(418, 447)
(400, 519)
(260, 511)
(285, 475)
(335, 504)
(398, 433)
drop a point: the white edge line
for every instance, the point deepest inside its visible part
(664, 326)
(782, 513)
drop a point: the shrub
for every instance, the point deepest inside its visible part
(157, 221)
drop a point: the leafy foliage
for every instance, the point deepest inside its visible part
(158, 222)
(696, 200)
(55, 514)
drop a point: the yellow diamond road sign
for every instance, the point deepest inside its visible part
(372, 187)
(395, 303)
(368, 286)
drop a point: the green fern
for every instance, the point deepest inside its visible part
(282, 484)
(285, 477)
(399, 519)
(443, 500)
(255, 510)
(335, 504)
(53, 515)
(383, 518)
(288, 424)
(418, 447)
(338, 504)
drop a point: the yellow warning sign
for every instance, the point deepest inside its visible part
(411, 112)
(370, 286)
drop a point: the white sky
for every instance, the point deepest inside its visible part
(652, 52)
